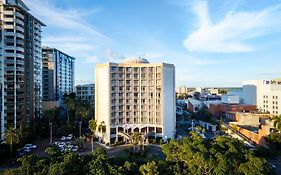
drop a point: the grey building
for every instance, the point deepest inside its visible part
(58, 74)
(21, 66)
(86, 93)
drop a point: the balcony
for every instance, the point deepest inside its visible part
(9, 33)
(19, 15)
(20, 29)
(8, 54)
(20, 22)
(8, 19)
(19, 35)
(9, 12)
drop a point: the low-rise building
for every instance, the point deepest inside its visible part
(195, 105)
(86, 93)
(251, 125)
(266, 94)
(220, 109)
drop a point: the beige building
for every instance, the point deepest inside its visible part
(181, 90)
(266, 94)
(135, 96)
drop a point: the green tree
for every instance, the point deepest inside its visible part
(99, 164)
(81, 112)
(277, 122)
(149, 169)
(71, 106)
(50, 114)
(135, 139)
(102, 129)
(93, 127)
(219, 156)
(33, 164)
(12, 137)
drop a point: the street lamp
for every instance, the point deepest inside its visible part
(80, 127)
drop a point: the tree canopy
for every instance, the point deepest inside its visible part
(191, 155)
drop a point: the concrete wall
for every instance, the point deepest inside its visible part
(102, 98)
(169, 101)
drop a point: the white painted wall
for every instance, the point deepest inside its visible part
(102, 98)
(169, 101)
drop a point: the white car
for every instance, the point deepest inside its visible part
(27, 150)
(75, 149)
(61, 144)
(61, 148)
(63, 138)
(68, 138)
(69, 147)
(30, 146)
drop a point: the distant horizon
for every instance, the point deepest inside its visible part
(211, 43)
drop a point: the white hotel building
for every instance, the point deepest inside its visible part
(266, 94)
(135, 96)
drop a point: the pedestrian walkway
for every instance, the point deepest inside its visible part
(104, 145)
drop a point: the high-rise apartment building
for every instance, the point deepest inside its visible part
(135, 96)
(58, 74)
(86, 93)
(21, 66)
(266, 94)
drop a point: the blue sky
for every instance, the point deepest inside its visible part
(211, 43)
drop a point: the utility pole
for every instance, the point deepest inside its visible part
(51, 132)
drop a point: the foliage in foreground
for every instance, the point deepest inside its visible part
(189, 156)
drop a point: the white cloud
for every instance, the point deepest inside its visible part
(110, 55)
(231, 33)
(68, 30)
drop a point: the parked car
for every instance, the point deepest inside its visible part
(75, 149)
(21, 152)
(63, 138)
(69, 147)
(61, 144)
(69, 137)
(31, 146)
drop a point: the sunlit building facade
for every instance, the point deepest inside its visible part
(135, 96)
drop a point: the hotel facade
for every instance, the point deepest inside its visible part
(266, 94)
(21, 66)
(135, 96)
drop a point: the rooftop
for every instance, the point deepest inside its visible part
(135, 60)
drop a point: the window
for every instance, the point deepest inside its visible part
(113, 68)
(120, 68)
(128, 69)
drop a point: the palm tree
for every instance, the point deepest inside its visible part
(51, 114)
(82, 112)
(93, 127)
(277, 122)
(102, 129)
(70, 103)
(11, 137)
(135, 139)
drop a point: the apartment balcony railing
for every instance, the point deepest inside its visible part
(19, 15)
(8, 12)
